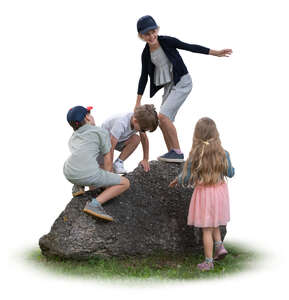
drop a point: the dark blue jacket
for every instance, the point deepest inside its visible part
(170, 46)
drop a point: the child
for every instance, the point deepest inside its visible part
(123, 130)
(82, 169)
(205, 169)
(163, 63)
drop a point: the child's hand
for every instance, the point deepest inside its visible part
(145, 164)
(221, 53)
(173, 183)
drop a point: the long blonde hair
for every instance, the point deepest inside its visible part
(208, 158)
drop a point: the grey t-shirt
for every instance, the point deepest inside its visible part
(119, 126)
(85, 144)
(163, 67)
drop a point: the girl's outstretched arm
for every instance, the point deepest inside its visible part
(142, 80)
(199, 49)
(221, 53)
(188, 47)
(138, 101)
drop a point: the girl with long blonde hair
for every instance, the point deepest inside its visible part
(206, 170)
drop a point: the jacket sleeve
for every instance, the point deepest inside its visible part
(189, 47)
(231, 170)
(186, 179)
(144, 75)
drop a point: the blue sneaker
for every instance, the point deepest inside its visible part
(172, 156)
(97, 211)
(77, 190)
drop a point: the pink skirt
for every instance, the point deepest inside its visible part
(209, 206)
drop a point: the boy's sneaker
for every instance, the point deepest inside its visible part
(220, 252)
(77, 190)
(172, 156)
(118, 167)
(97, 211)
(205, 266)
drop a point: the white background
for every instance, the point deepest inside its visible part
(57, 54)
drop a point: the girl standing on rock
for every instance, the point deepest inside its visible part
(205, 169)
(163, 63)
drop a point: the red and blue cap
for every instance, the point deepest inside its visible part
(78, 113)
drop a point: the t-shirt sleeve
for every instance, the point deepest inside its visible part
(104, 138)
(118, 129)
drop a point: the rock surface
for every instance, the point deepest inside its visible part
(149, 217)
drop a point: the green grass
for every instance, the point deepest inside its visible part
(158, 266)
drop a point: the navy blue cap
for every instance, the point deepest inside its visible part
(145, 24)
(77, 113)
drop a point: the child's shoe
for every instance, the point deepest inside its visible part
(220, 252)
(206, 266)
(97, 211)
(77, 190)
(172, 156)
(118, 167)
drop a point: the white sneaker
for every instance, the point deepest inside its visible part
(118, 167)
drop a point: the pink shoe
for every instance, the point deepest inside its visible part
(206, 266)
(220, 252)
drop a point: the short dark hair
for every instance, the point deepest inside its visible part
(75, 124)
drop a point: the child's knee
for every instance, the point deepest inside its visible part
(163, 119)
(125, 182)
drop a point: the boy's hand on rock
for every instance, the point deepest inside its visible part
(173, 183)
(145, 164)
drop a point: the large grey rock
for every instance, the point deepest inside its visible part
(149, 217)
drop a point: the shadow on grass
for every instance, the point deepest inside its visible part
(159, 266)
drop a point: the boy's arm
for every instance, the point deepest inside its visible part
(107, 162)
(113, 141)
(145, 146)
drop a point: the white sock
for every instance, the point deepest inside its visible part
(95, 202)
(218, 244)
(119, 160)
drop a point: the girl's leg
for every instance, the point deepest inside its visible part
(220, 251)
(174, 97)
(208, 242)
(217, 235)
(169, 132)
(113, 191)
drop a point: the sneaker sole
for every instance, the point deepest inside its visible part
(97, 215)
(177, 160)
(78, 193)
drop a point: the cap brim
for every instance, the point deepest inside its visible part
(148, 29)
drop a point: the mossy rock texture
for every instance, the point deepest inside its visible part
(149, 217)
